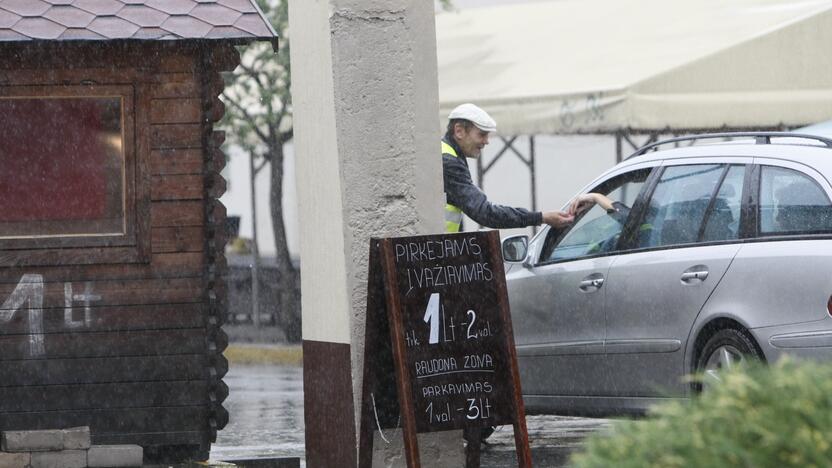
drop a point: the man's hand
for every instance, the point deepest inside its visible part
(557, 219)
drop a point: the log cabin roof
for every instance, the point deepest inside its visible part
(101, 20)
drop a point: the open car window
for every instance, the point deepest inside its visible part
(595, 232)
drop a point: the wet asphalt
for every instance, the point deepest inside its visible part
(265, 404)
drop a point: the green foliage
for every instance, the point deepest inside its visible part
(258, 93)
(758, 416)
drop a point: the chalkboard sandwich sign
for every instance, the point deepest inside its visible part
(439, 348)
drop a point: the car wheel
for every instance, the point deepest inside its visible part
(724, 350)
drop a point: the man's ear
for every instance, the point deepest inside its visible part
(459, 130)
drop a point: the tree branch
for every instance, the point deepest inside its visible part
(287, 135)
(248, 117)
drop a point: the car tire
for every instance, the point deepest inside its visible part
(726, 348)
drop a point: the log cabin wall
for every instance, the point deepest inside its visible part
(125, 337)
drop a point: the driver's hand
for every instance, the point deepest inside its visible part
(581, 203)
(558, 219)
(584, 202)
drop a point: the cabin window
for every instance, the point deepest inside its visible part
(63, 167)
(68, 168)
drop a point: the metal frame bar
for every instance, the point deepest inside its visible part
(508, 145)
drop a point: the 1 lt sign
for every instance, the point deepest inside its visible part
(28, 296)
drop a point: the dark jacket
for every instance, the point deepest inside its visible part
(461, 192)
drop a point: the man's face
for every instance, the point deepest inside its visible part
(471, 140)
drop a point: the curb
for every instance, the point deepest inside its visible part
(254, 353)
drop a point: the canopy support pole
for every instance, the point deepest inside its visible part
(508, 145)
(532, 178)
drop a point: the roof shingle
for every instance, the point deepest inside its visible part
(249, 23)
(216, 15)
(112, 26)
(172, 7)
(22, 20)
(181, 25)
(8, 19)
(38, 28)
(9, 35)
(99, 7)
(69, 16)
(153, 33)
(25, 7)
(243, 6)
(143, 16)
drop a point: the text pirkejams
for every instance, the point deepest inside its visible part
(437, 250)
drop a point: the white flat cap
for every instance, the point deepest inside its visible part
(475, 115)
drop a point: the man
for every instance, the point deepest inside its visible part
(467, 134)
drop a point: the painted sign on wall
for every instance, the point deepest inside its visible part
(27, 298)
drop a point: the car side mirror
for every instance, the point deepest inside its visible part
(515, 248)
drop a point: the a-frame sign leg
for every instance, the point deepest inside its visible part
(394, 318)
(521, 444)
(521, 433)
(472, 436)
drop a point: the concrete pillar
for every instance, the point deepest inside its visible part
(364, 87)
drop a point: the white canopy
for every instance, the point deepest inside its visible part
(596, 66)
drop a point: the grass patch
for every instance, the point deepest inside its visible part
(252, 354)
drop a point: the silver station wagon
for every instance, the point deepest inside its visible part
(715, 253)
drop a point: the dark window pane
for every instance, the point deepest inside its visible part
(724, 220)
(63, 166)
(678, 205)
(791, 202)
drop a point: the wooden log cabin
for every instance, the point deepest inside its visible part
(111, 234)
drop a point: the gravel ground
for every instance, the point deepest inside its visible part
(266, 407)
(552, 440)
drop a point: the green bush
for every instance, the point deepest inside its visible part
(758, 416)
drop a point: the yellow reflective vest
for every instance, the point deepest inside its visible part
(453, 214)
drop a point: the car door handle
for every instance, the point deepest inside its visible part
(695, 274)
(591, 283)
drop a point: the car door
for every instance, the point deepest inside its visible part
(685, 240)
(792, 237)
(557, 300)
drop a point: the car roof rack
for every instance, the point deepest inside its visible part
(760, 138)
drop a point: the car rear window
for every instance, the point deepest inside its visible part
(792, 203)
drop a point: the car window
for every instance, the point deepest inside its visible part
(596, 231)
(678, 205)
(723, 221)
(792, 202)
